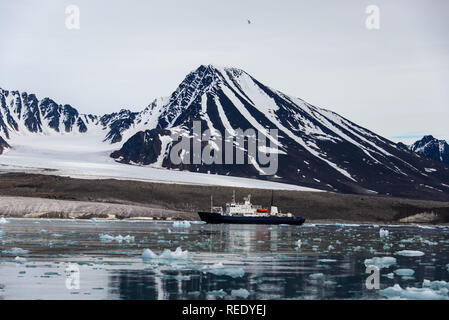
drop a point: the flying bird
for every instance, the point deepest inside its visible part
(249, 21)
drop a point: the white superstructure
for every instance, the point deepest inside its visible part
(247, 209)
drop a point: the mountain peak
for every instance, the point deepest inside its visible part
(433, 148)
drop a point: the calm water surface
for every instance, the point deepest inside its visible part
(77, 259)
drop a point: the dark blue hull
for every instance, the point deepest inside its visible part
(218, 218)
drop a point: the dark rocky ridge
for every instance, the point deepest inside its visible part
(432, 148)
(3, 145)
(144, 147)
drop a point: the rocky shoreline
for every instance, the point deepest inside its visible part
(46, 196)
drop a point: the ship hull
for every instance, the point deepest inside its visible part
(210, 217)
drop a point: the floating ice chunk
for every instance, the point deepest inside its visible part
(3, 220)
(218, 293)
(240, 293)
(167, 255)
(419, 239)
(447, 267)
(404, 272)
(197, 222)
(15, 251)
(260, 241)
(410, 253)
(20, 260)
(316, 276)
(182, 278)
(428, 242)
(435, 285)
(181, 224)
(93, 220)
(383, 233)
(298, 243)
(381, 262)
(396, 292)
(219, 270)
(327, 260)
(331, 247)
(390, 275)
(119, 238)
(347, 225)
(425, 227)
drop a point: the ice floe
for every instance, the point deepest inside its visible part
(435, 290)
(219, 270)
(298, 243)
(404, 272)
(3, 220)
(15, 251)
(327, 260)
(20, 260)
(119, 238)
(381, 262)
(419, 239)
(167, 255)
(240, 293)
(316, 276)
(197, 222)
(384, 233)
(410, 253)
(217, 293)
(181, 224)
(435, 285)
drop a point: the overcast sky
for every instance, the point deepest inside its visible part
(394, 81)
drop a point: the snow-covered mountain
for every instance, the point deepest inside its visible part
(317, 148)
(432, 148)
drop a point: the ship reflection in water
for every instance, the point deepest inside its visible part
(216, 261)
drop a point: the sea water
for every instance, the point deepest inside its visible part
(109, 259)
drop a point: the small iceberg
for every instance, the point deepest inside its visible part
(327, 260)
(411, 293)
(181, 224)
(119, 238)
(3, 220)
(435, 285)
(404, 272)
(381, 262)
(384, 233)
(299, 243)
(197, 222)
(217, 293)
(410, 253)
(20, 260)
(219, 270)
(316, 276)
(240, 293)
(166, 255)
(15, 251)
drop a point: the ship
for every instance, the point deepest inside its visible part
(247, 213)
